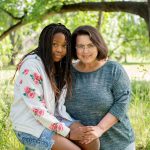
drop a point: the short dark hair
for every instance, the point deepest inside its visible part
(94, 36)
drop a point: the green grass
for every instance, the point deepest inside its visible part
(8, 140)
(139, 113)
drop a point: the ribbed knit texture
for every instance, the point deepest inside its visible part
(95, 94)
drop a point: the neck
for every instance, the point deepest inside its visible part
(89, 66)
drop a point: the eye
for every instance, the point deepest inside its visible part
(54, 44)
(64, 46)
(80, 46)
(90, 45)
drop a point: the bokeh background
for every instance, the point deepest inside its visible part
(126, 35)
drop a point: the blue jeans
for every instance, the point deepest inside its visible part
(44, 142)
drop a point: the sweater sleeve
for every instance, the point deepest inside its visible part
(121, 92)
(30, 85)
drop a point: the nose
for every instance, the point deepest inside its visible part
(86, 49)
(59, 49)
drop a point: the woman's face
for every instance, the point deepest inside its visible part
(86, 51)
(59, 47)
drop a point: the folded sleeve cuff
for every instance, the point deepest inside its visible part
(62, 129)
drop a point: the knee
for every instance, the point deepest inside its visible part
(94, 145)
(97, 142)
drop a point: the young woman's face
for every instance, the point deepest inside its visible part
(59, 47)
(86, 51)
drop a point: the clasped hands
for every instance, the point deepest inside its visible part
(85, 134)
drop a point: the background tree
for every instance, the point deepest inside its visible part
(125, 33)
(30, 11)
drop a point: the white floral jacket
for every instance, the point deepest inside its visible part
(34, 101)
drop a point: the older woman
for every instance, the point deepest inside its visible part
(100, 93)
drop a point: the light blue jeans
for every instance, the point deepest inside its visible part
(44, 142)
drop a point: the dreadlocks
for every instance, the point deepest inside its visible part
(44, 51)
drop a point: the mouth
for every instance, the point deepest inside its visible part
(86, 56)
(57, 55)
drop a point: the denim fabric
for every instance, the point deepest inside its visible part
(44, 142)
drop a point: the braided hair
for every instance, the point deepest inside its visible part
(44, 51)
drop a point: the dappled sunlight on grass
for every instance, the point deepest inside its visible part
(138, 72)
(139, 111)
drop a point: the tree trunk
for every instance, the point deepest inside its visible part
(149, 18)
(99, 22)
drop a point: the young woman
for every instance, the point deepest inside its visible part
(44, 76)
(100, 93)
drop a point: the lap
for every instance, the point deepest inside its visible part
(44, 142)
(94, 145)
(62, 143)
(48, 140)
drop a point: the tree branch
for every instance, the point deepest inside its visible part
(11, 29)
(11, 15)
(138, 8)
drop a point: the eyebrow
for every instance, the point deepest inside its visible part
(86, 44)
(58, 41)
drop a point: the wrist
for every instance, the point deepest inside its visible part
(101, 130)
(68, 136)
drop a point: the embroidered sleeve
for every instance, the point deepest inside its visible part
(30, 85)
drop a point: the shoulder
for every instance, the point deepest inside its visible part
(30, 65)
(114, 66)
(116, 69)
(31, 61)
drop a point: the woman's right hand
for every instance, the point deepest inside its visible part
(76, 132)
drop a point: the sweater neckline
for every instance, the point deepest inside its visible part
(98, 69)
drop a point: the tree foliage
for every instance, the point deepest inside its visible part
(126, 34)
(28, 11)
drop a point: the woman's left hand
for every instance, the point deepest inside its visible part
(91, 133)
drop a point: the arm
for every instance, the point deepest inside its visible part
(31, 89)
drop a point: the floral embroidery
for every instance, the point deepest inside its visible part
(42, 101)
(29, 92)
(60, 127)
(53, 127)
(56, 127)
(26, 71)
(36, 78)
(38, 112)
(20, 81)
(40, 98)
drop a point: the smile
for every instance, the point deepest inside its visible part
(56, 55)
(87, 56)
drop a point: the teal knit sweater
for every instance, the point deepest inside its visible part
(96, 93)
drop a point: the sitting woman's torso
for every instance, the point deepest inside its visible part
(92, 97)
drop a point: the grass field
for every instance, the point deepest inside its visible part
(139, 111)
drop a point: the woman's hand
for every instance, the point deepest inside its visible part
(76, 134)
(91, 133)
